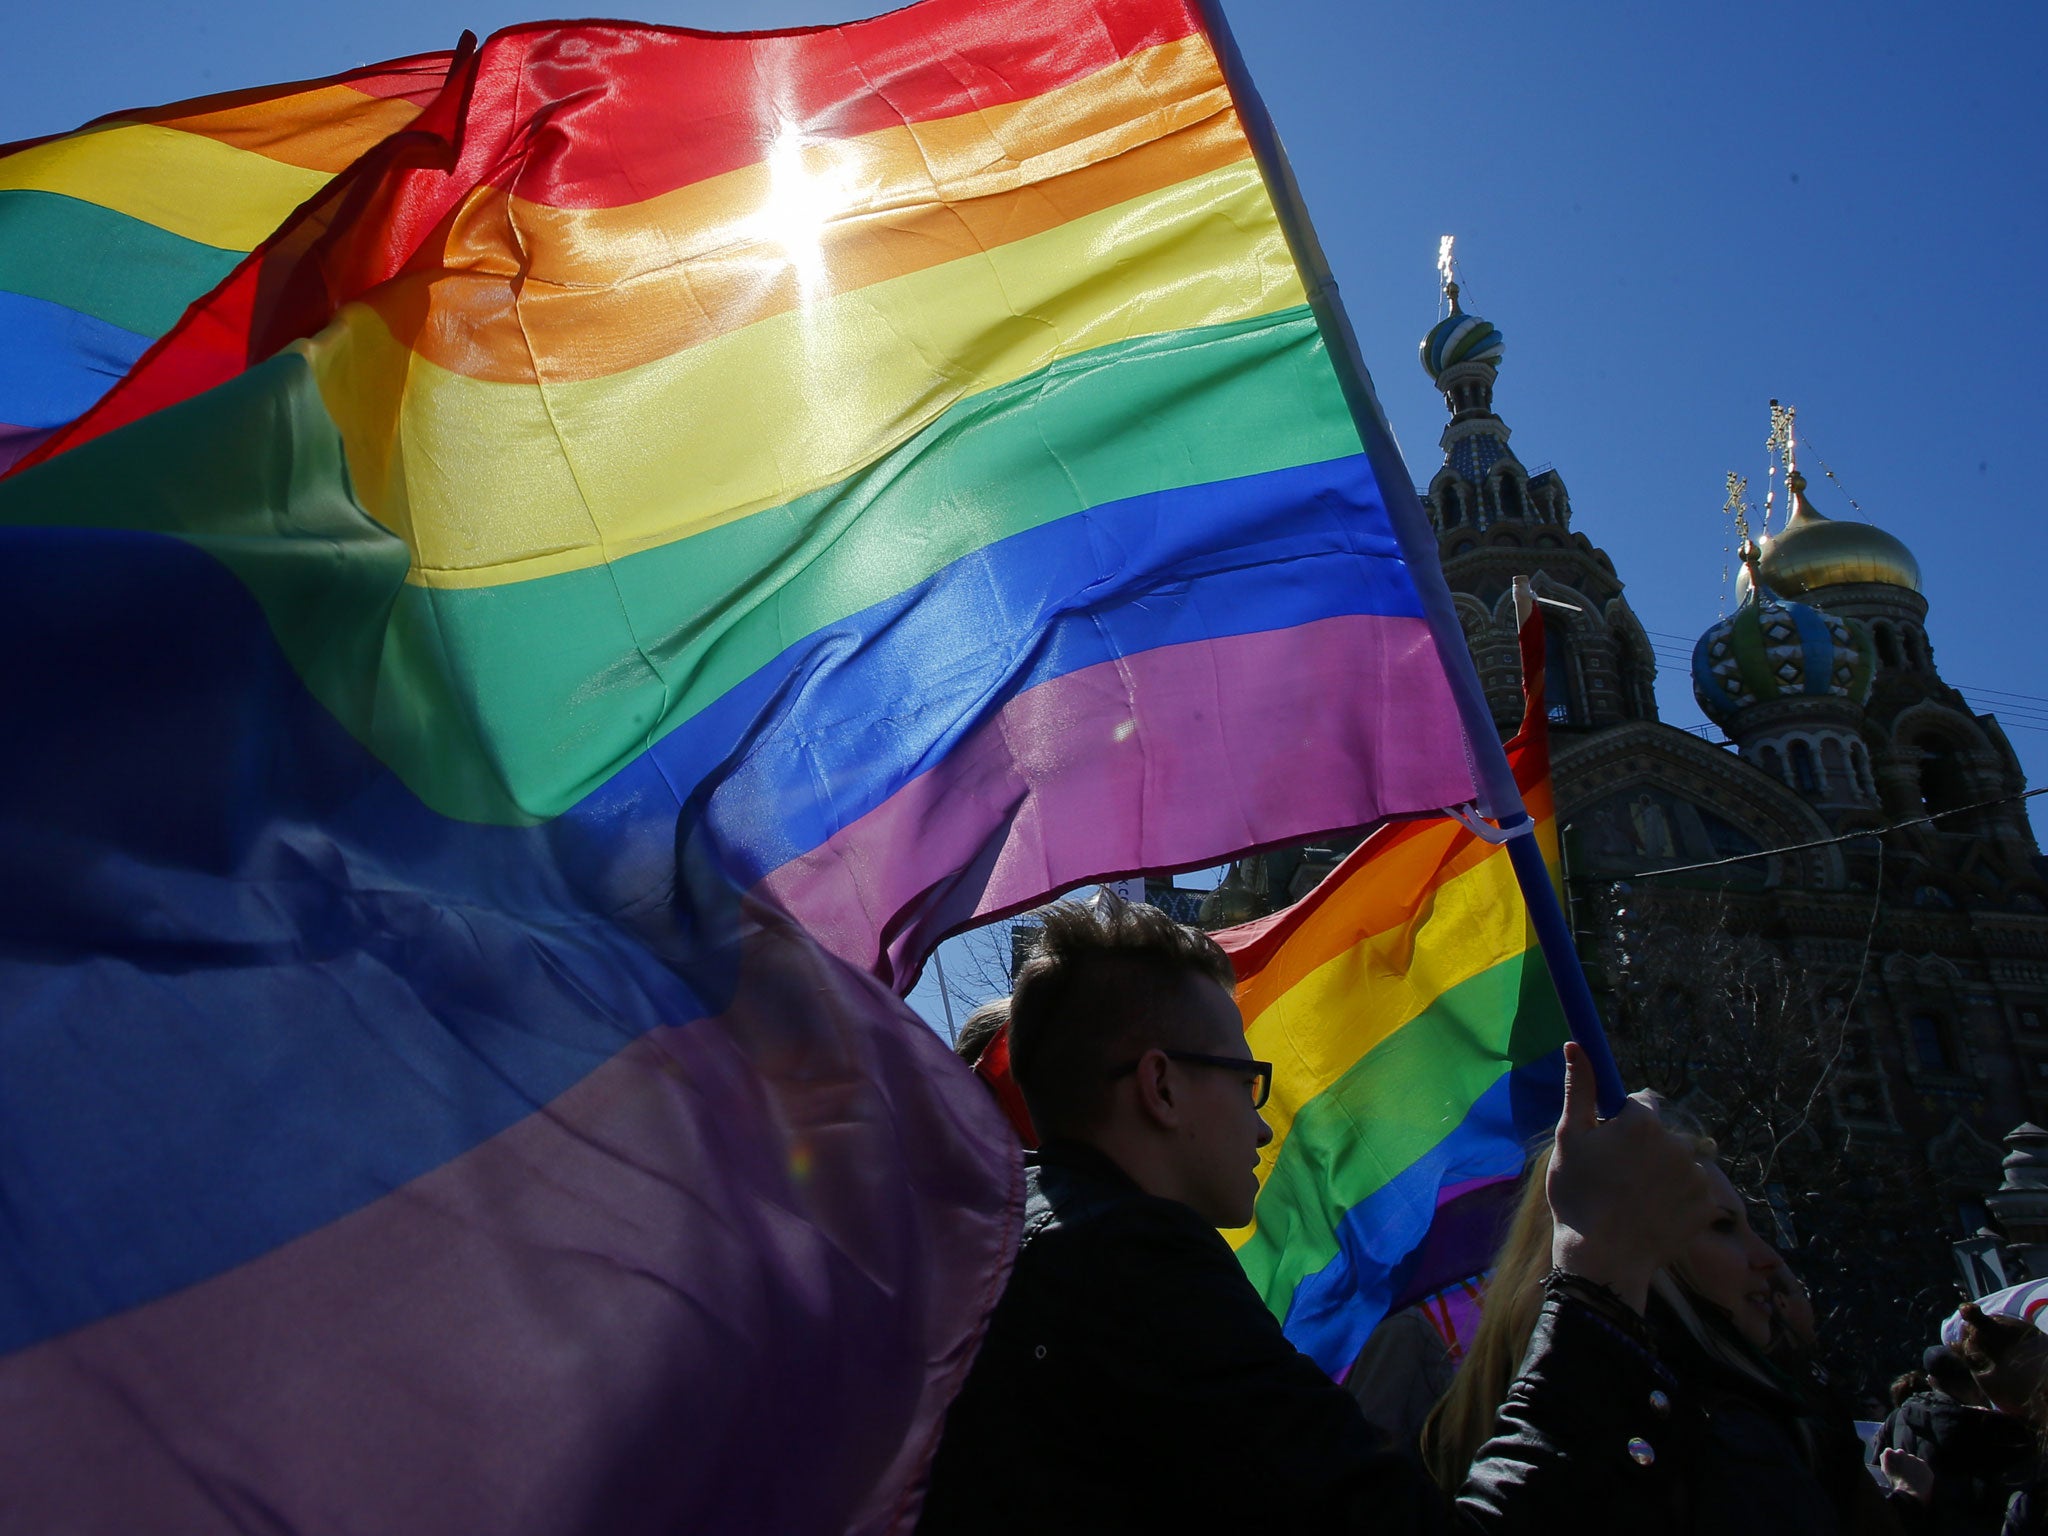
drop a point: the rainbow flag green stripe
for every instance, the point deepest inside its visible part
(121, 270)
(413, 670)
(108, 234)
(521, 675)
(1448, 1057)
(1414, 1031)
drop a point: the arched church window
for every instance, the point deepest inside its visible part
(1804, 777)
(1771, 763)
(1510, 495)
(1463, 547)
(1628, 660)
(1860, 756)
(1833, 766)
(1916, 649)
(1931, 1044)
(1887, 646)
(1942, 787)
(1558, 697)
(1451, 507)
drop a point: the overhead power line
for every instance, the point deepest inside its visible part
(1819, 842)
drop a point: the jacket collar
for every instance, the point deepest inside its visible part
(1082, 1158)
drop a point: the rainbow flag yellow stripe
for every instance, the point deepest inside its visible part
(109, 233)
(634, 536)
(1413, 1032)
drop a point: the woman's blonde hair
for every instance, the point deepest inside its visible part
(1463, 1420)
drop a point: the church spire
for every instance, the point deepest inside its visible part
(1482, 482)
(1811, 551)
(1462, 352)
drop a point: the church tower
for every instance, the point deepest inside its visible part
(1901, 744)
(1852, 996)
(1788, 683)
(1494, 521)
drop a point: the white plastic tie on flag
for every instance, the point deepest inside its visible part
(1467, 816)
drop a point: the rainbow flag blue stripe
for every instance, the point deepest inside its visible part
(1414, 1032)
(108, 234)
(527, 666)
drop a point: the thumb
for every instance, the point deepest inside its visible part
(1581, 1095)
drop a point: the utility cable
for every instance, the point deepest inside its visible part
(1822, 842)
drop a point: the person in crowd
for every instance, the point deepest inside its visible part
(1463, 1419)
(1907, 1384)
(980, 1027)
(1400, 1374)
(1768, 1449)
(2008, 1360)
(1976, 1457)
(1781, 1454)
(1133, 1380)
(983, 1045)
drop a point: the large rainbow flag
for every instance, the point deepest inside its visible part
(109, 233)
(509, 685)
(1414, 1034)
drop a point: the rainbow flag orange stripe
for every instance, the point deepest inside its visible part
(109, 233)
(1413, 1031)
(965, 287)
(529, 664)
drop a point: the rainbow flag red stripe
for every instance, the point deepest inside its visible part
(629, 560)
(109, 233)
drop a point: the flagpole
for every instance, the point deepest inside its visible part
(1498, 796)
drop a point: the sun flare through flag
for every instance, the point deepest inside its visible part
(530, 661)
(1414, 1034)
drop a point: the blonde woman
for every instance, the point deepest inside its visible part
(1464, 1420)
(1767, 1454)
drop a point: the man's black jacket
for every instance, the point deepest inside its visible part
(1133, 1381)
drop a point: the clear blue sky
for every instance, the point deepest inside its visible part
(1673, 213)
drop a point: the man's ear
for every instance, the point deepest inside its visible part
(1156, 1100)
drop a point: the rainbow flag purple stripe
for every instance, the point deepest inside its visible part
(510, 715)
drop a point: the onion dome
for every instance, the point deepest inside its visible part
(1459, 338)
(1812, 551)
(1769, 649)
(1232, 902)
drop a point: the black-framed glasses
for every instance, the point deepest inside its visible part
(1261, 1084)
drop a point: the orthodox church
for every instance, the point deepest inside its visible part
(1919, 948)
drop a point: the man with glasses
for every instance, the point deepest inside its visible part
(1132, 1379)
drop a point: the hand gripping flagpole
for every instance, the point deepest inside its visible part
(1499, 797)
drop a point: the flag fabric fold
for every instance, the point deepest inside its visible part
(108, 234)
(526, 666)
(1414, 1034)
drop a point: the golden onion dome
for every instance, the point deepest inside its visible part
(1232, 902)
(1813, 551)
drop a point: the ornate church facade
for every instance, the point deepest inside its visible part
(1837, 916)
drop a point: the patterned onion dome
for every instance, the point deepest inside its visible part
(1770, 649)
(1459, 338)
(1813, 551)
